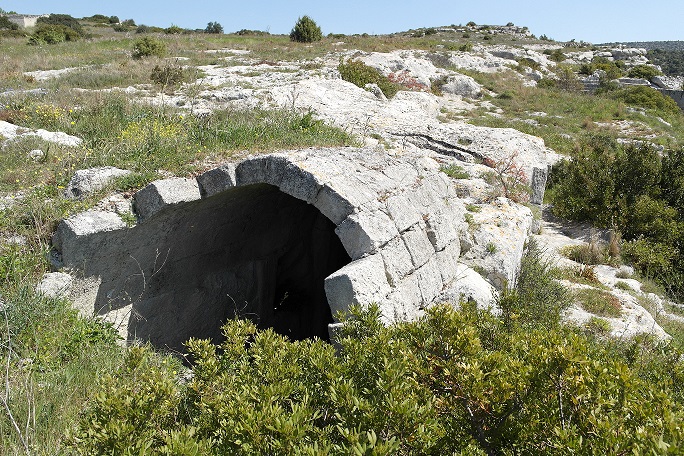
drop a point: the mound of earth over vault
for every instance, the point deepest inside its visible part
(286, 239)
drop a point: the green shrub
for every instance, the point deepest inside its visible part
(168, 75)
(537, 299)
(454, 171)
(306, 31)
(644, 72)
(646, 97)
(6, 24)
(450, 383)
(566, 79)
(61, 20)
(360, 74)
(174, 30)
(53, 34)
(556, 55)
(148, 47)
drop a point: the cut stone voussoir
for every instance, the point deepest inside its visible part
(163, 193)
(286, 239)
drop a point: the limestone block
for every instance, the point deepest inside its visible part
(402, 211)
(465, 86)
(447, 262)
(442, 227)
(405, 301)
(82, 234)
(364, 232)
(496, 241)
(216, 180)
(54, 284)
(333, 205)
(265, 169)
(469, 285)
(360, 282)
(86, 181)
(162, 193)
(300, 183)
(397, 260)
(429, 280)
(538, 184)
(419, 246)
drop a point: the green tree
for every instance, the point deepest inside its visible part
(214, 27)
(306, 31)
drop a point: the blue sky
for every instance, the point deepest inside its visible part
(596, 21)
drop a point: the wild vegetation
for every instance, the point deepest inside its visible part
(455, 382)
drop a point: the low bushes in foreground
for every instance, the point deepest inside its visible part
(451, 383)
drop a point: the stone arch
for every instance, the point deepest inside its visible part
(365, 227)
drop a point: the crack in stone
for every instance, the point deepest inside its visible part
(441, 147)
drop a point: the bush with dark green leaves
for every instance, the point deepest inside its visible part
(148, 47)
(644, 72)
(646, 97)
(360, 74)
(451, 383)
(635, 190)
(6, 24)
(306, 31)
(53, 34)
(61, 20)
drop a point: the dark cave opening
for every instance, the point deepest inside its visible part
(249, 252)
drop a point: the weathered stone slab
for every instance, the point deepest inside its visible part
(80, 236)
(163, 193)
(364, 232)
(397, 260)
(87, 181)
(216, 180)
(55, 284)
(360, 282)
(419, 246)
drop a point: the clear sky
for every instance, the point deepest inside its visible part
(596, 21)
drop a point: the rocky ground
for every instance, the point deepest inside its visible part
(414, 122)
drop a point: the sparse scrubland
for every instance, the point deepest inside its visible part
(457, 381)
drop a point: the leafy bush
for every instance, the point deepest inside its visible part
(536, 299)
(54, 33)
(6, 24)
(148, 47)
(557, 56)
(360, 74)
(174, 30)
(644, 72)
(646, 97)
(62, 20)
(566, 79)
(450, 383)
(306, 31)
(142, 28)
(636, 190)
(168, 75)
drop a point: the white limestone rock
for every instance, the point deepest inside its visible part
(55, 285)
(162, 193)
(87, 181)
